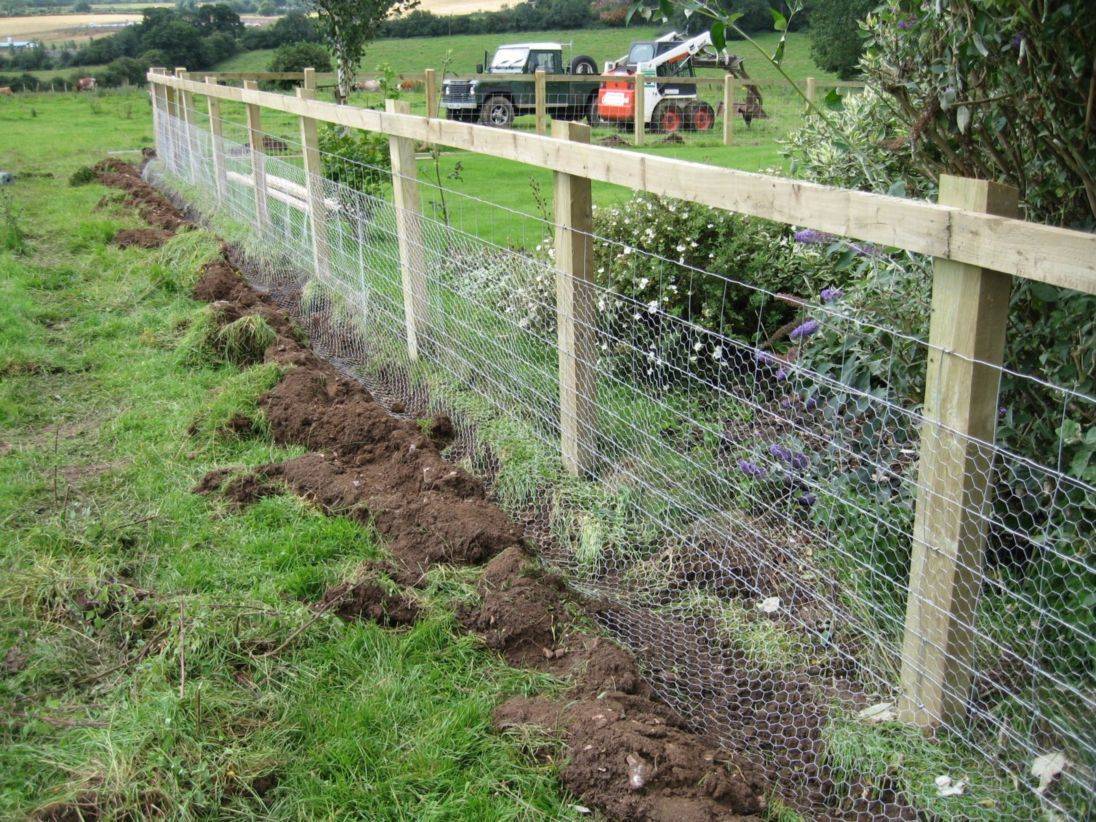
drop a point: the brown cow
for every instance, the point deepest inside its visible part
(6, 90)
(85, 84)
(410, 85)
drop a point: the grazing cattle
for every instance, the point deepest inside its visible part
(85, 84)
(410, 85)
(368, 85)
(6, 90)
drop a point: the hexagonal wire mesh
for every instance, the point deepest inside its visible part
(747, 524)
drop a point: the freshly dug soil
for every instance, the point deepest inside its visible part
(154, 207)
(368, 600)
(141, 237)
(627, 754)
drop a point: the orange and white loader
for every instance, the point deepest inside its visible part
(670, 106)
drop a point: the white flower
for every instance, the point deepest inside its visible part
(697, 346)
(680, 249)
(717, 353)
(652, 306)
(644, 282)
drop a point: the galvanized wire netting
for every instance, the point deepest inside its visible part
(747, 524)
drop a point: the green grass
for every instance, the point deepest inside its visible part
(115, 578)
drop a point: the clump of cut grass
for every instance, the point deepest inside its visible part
(866, 760)
(232, 411)
(189, 250)
(12, 237)
(762, 641)
(239, 342)
(83, 176)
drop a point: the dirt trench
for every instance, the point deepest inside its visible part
(625, 753)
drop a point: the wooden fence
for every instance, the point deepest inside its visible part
(972, 231)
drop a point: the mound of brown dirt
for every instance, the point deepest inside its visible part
(153, 206)
(635, 758)
(367, 600)
(141, 237)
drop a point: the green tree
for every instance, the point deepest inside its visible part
(836, 38)
(347, 25)
(298, 57)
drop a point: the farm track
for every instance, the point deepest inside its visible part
(625, 753)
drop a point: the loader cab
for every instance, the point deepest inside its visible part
(645, 51)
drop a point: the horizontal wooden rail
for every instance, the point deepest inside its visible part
(1057, 256)
(618, 78)
(321, 77)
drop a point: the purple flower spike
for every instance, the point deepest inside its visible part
(828, 295)
(780, 452)
(807, 500)
(811, 236)
(903, 24)
(811, 403)
(801, 332)
(782, 374)
(765, 357)
(751, 469)
(866, 250)
(799, 461)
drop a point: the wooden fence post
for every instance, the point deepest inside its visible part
(220, 177)
(187, 106)
(729, 86)
(810, 89)
(405, 188)
(575, 314)
(540, 90)
(258, 159)
(966, 346)
(314, 180)
(159, 107)
(640, 112)
(430, 80)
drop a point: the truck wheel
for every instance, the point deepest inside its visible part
(582, 64)
(497, 111)
(668, 117)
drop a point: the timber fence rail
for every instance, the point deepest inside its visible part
(819, 528)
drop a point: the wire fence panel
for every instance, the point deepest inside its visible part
(756, 472)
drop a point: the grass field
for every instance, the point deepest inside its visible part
(115, 579)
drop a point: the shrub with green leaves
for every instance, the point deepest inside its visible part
(996, 90)
(836, 39)
(359, 159)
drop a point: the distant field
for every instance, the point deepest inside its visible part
(51, 28)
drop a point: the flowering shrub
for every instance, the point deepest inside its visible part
(654, 258)
(520, 288)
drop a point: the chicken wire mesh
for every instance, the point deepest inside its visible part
(747, 520)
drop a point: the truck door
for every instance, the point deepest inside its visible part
(552, 63)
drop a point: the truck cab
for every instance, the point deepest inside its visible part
(504, 87)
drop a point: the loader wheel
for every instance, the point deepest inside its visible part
(668, 117)
(699, 116)
(497, 111)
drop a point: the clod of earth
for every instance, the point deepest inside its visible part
(141, 237)
(627, 754)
